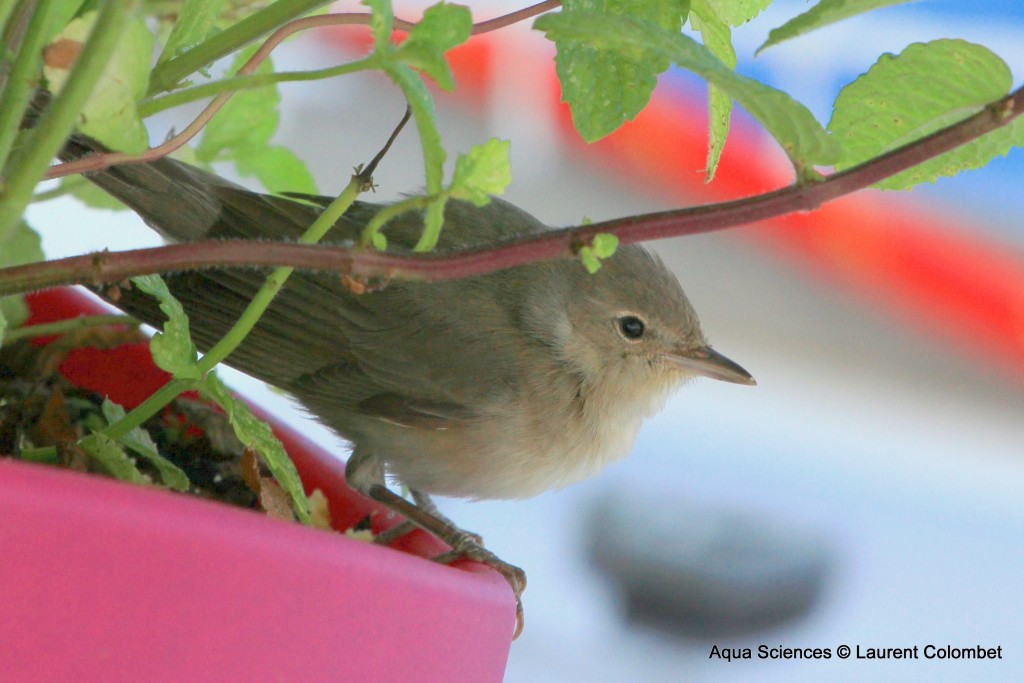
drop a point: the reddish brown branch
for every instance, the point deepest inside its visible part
(113, 267)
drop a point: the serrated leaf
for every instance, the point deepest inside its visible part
(196, 20)
(172, 349)
(717, 38)
(246, 123)
(257, 435)
(824, 13)
(604, 245)
(23, 246)
(736, 12)
(241, 132)
(277, 168)
(788, 121)
(482, 172)
(112, 457)
(927, 87)
(140, 443)
(110, 115)
(606, 88)
(442, 27)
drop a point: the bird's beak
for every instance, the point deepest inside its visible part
(707, 362)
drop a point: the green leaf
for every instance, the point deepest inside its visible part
(195, 22)
(140, 443)
(172, 349)
(824, 13)
(717, 38)
(605, 88)
(3, 323)
(246, 122)
(927, 87)
(112, 457)
(380, 242)
(277, 168)
(23, 246)
(601, 247)
(604, 244)
(788, 121)
(257, 435)
(482, 172)
(441, 28)
(590, 261)
(110, 115)
(736, 12)
(241, 132)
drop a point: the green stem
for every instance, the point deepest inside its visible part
(168, 392)
(180, 97)
(24, 78)
(28, 163)
(387, 213)
(167, 75)
(153, 404)
(65, 326)
(46, 455)
(276, 280)
(6, 7)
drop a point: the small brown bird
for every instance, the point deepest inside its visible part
(497, 386)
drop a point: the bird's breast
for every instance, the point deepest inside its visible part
(530, 446)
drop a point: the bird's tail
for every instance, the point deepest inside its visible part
(166, 193)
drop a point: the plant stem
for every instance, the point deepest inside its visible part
(167, 75)
(180, 97)
(65, 326)
(23, 79)
(168, 392)
(28, 164)
(387, 213)
(153, 404)
(276, 280)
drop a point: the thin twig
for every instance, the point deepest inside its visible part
(366, 174)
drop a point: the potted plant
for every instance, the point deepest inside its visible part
(107, 581)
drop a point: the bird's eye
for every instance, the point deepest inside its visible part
(631, 327)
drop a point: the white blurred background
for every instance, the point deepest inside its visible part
(877, 467)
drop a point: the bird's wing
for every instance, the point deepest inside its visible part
(444, 348)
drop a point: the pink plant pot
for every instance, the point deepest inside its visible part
(105, 581)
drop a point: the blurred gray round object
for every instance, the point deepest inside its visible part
(705, 572)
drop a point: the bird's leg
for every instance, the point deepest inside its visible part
(389, 536)
(463, 544)
(426, 504)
